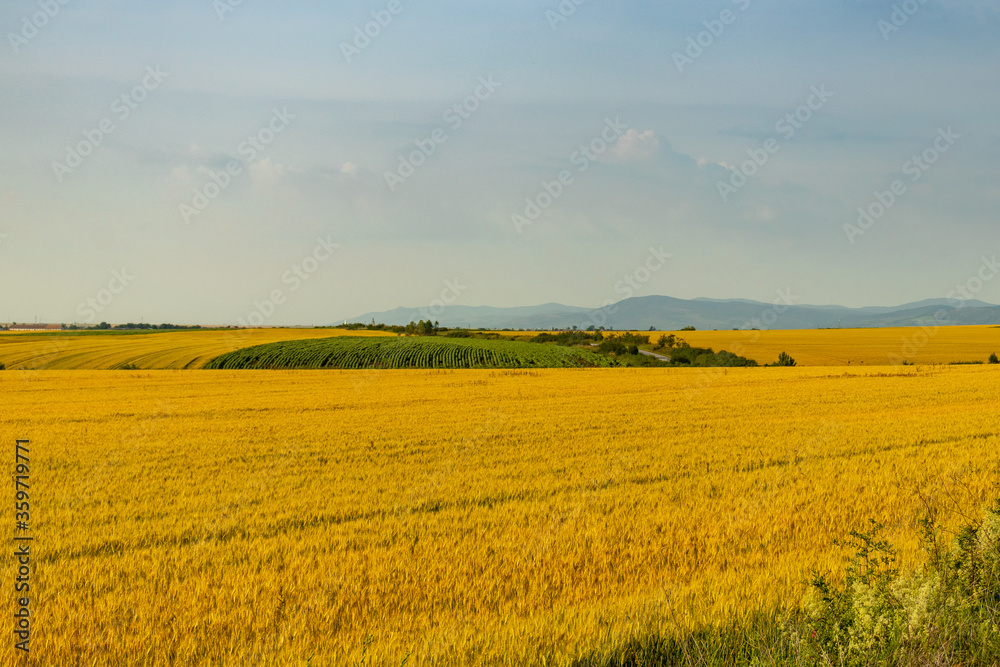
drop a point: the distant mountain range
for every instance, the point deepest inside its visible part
(668, 314)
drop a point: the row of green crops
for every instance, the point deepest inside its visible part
(408, 352)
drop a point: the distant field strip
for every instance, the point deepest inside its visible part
(171, 350)
(195, 349)
(854, 347)
(420, 352)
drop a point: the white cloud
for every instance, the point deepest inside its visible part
(266, 173)
(704, 162)
(197, 154)
(635, 145)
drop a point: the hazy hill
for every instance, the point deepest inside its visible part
(667, 313)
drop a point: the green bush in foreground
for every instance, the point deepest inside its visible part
(947, 613)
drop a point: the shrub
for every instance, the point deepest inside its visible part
(944, 614)
(611, 347)
(994, 359)
(784, 360)
(857, 620)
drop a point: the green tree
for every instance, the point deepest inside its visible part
(666, 341)
(784, 360)
(994, 359)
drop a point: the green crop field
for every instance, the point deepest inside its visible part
(420, 352)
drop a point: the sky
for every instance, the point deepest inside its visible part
(301, 162)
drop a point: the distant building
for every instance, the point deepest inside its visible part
(35, 327)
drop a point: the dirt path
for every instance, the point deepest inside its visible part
(654, 355)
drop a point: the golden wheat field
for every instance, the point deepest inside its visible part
(194, 349)
(168, 350)
(855, 347)
(460, 517)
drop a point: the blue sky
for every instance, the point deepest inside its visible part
(305, 227)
